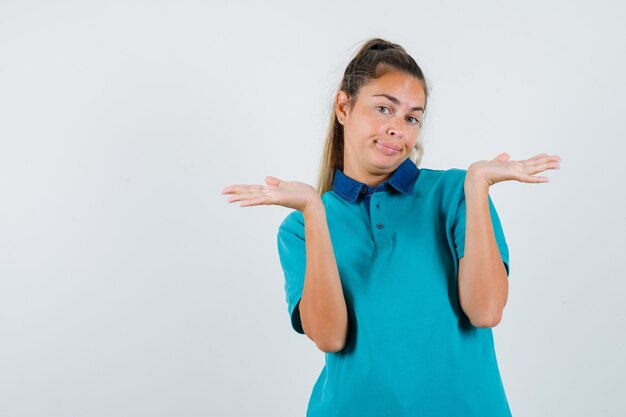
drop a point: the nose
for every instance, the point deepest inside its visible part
(394, 129)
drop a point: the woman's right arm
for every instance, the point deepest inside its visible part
(322, 307)
(323, 310)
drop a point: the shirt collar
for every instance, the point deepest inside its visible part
(401, 179)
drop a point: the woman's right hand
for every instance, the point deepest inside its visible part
(292, 194)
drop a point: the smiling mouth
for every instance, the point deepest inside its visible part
(388, 149)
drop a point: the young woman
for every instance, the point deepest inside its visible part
(396, 272)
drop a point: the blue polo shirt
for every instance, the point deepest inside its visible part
(411, 350)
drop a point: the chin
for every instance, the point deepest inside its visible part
(388, 165)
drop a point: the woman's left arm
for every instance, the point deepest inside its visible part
(483, 283)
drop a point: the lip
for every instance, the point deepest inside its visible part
(387, 148)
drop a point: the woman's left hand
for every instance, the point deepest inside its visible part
(503, 169)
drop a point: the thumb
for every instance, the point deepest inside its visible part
(503, 157)
(272, 181)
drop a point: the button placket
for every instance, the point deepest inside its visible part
(380, 232)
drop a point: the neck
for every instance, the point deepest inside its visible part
(365, 177)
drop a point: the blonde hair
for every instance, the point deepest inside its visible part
(374, 59)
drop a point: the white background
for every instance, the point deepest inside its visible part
(129, 287)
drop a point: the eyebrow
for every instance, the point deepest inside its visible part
(396, 101)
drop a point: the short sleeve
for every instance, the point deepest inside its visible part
(292, 254)
(458, 231)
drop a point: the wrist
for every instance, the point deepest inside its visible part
(475, 182)
(313, 207)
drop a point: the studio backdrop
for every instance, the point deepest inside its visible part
(130, 287)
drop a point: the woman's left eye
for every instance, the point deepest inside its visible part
(415, 121)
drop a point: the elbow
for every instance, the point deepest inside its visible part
(485, 316)
(328, 334)
(331, 346)
(330, 343)
(486, 321)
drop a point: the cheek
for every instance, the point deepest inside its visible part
(410, 145)
(373, 129)
(366, 133)
(365, 130)
(367, 124)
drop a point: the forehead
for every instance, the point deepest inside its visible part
(406, 88)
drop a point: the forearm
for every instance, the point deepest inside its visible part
(483, 283)
(323, 309)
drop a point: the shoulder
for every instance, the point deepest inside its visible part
(441, 189)
(441, 180)
(447, 176)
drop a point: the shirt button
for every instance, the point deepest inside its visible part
(380, 225)
(363, 190)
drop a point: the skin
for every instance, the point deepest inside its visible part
(482, 283)
(373, 121)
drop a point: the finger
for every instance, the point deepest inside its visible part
(241, 188)
(540, 167)
(237, 197)
(264, 192)
(503, 157)
(256, 201)
(269, 180)
(235, 188)
(242, 196)
(229, 189)
(543, 162)
(544, 157)
(535, 180)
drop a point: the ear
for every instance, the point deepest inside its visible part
(342, 106)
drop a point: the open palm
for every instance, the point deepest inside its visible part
(504, 169)
(292, 194)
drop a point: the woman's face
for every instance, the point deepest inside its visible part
(382, 128)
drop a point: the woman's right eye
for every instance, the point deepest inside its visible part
(382, 107)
